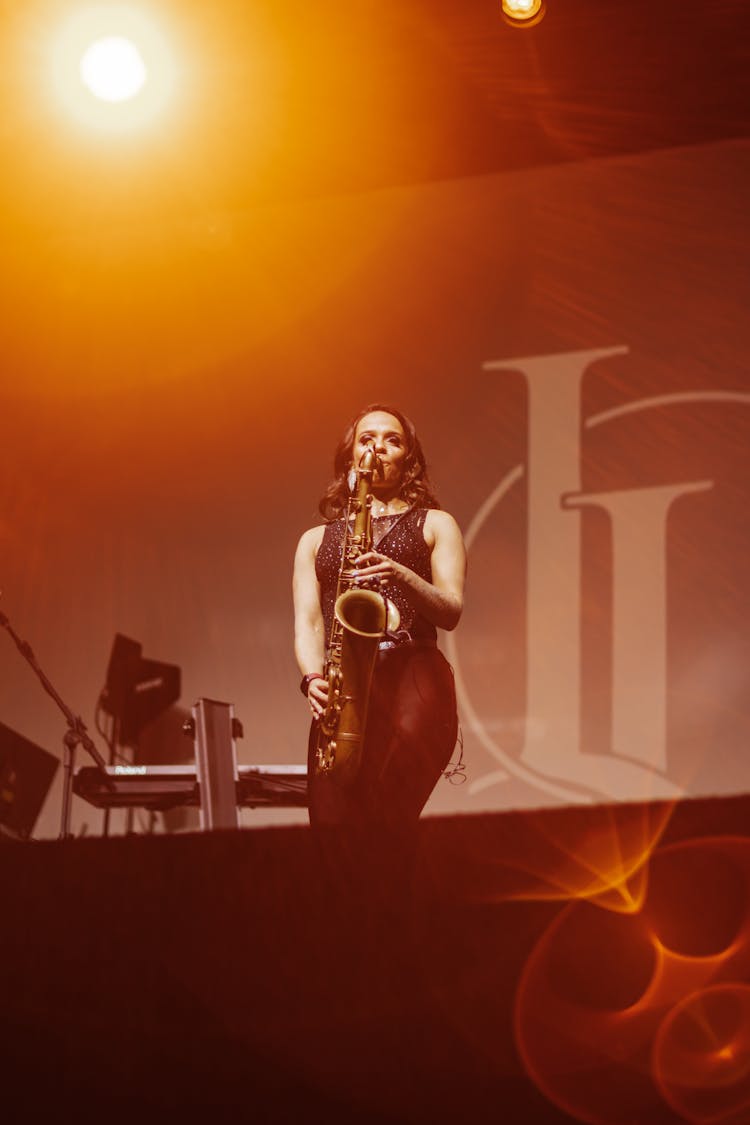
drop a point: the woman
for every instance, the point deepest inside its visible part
(419, 562)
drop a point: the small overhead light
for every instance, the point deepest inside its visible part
(523, 13)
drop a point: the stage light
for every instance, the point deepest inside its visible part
(113, 69)
(523, 13)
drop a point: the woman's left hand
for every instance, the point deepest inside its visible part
(378, 570)
(439, 600)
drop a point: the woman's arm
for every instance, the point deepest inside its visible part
(440, 601)
(309, 639)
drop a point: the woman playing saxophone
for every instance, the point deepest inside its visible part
(418, 561)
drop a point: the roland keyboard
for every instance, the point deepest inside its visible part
(169, 787)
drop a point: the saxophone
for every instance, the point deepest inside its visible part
(360, 619)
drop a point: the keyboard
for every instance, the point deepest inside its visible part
(169, 787)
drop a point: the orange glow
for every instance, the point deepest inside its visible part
(99, 60)
(163, 232)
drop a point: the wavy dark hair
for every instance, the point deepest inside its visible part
(416, 488)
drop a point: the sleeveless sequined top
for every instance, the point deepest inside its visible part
(401, 538)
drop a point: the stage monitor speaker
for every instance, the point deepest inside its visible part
(137, 690)
(26, 773)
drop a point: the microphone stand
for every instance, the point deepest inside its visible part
(75, 735)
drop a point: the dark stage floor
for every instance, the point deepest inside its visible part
(526, 967)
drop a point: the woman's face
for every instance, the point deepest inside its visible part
(386, 435)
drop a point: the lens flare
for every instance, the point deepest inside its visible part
(600, 855)
(618, 1016)
(702, 1056)
(113, 69)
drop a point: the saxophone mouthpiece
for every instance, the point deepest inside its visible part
(370, 460)
(374, 463)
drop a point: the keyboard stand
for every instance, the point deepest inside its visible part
(214, 728)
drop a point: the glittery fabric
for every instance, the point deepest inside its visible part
(401, 538)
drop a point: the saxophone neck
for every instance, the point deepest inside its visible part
(360, 501)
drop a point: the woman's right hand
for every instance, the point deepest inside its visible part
(317, 696)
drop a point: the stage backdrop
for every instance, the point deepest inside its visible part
(571, 342)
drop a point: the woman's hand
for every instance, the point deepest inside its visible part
(378, 570)
(441, 600)
(317, 696)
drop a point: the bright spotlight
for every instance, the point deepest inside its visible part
(113, 69)
(523, 13)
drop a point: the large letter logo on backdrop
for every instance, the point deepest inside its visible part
(634, 765)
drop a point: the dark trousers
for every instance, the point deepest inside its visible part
(410, 735)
